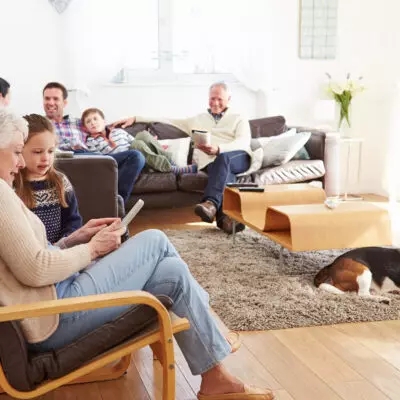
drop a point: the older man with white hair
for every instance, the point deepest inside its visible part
(227, 154)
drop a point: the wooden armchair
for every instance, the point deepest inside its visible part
(103, 354)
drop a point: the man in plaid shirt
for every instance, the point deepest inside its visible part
(71, 136)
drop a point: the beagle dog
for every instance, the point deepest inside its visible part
(362, 270)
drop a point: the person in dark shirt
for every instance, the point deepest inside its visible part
(4, 93)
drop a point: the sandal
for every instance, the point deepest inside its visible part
(250, 393)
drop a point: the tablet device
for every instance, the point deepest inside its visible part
(132, 213)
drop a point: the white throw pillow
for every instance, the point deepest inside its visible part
(262, 141)
(179, 149)
(282, 148)
(256, 162)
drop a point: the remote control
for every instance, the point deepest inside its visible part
(244, 184)
(251, 189)
(132, 213)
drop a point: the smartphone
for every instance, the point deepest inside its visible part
(132, 213)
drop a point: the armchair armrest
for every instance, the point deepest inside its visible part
(42, 308)
(95, 180)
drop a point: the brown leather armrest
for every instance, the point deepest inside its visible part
(95, 180)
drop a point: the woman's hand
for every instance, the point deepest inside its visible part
(123, 123)
(106, 240)
(87, 231)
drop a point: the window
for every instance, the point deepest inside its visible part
(318, 20)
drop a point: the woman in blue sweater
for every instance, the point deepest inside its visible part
(44, 190)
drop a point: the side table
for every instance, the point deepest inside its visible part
(351, 142)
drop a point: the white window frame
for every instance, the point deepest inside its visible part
(164, 74)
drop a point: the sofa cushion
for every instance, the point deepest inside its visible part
(291, 172)
(149, 182)
(193, 182)
(269, 126)
(282, 149)
(316, 145)
(302, 154)
(25, 370)
(178, 148)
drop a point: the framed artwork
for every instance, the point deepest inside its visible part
(318, 29)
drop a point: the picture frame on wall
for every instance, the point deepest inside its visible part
(318, 29)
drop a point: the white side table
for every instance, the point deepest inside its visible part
(350, 142)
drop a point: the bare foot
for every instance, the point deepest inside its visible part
(218, 381)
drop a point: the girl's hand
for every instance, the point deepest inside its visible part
(87, 231)
(106, 240)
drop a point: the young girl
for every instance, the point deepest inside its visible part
(102, 140)
(46, 191)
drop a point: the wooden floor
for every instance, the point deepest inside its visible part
(348, 361)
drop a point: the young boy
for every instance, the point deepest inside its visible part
(106, 141)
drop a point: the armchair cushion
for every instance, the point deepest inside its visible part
(25, 370)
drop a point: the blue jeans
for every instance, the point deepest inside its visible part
(221, 171)
(147, 261)
(130, 165)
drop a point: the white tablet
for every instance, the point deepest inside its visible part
(132, 213)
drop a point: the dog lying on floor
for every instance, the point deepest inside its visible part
(362, 270)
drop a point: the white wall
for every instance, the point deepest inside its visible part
(31, 54)
(41, 45)
(368, 44)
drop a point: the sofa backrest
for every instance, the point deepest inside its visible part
(269, 126)
(260, 127)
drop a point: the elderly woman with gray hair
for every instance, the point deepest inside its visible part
(32, 271)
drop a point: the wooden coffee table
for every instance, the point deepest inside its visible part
(296, 218)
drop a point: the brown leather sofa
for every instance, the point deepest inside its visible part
(95, 182)
(165, 190)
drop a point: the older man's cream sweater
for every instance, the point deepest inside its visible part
(231, 132)
(28, 269)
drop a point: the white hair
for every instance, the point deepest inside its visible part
(10, 125)
(222, 85)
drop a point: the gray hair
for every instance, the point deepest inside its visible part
(10, 125)
(222, 85)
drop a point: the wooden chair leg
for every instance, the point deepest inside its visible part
(157, 352)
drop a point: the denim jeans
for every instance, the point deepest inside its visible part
(130, 165)
(147, 261)
(221, 171)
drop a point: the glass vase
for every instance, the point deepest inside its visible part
(344, 124)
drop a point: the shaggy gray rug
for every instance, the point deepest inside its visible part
(250, 289)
